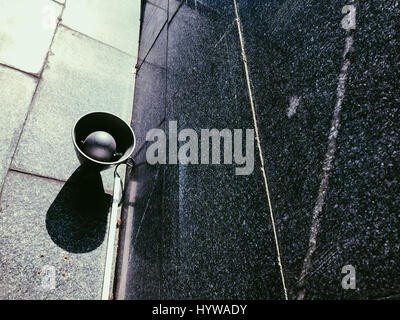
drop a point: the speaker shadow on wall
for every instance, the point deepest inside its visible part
(77, 219)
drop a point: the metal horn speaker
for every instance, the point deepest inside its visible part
(102, 140)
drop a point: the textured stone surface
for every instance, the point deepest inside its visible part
(173, 7)
(360, 224)
(217, 214)
(45, 224)
(49, 227)
(298, 60)
(82, 76)
(160, 3)
(216, 234)
(142, 239)
(302, 57)
(154, 18)
(207, 229)
(114, 23)
(149, 103)
(150, 91)
(15, 98)
(27, 26)
(158, 52)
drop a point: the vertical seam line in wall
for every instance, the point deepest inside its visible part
(252, 104)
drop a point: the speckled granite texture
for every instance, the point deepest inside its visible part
(58, 61)
(202, 232)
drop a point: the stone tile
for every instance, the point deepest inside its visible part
(173, 7)
(149, 103)
(170, 241)
(296, 51)
(158, 52)
(201, 48)
(216, 238)
(26, 32)
(82, 76)
(297, 60)
(207, 7)
(141, 234)
(45, 224)
(15, 97)
(216, 234)
(160, 3)
(360, 221)
(115, 23)
(154, 19)
(224, 244)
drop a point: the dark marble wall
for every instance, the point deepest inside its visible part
(200, 231)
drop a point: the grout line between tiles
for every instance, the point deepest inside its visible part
(99, 41)
(32, 100)
(152, 45)
(251, 96)
(29, 74)
(156, 5)
(36, 175)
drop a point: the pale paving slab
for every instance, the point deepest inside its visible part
(26, 30)
(16, 93)
(42, 226)
(115, 23)
(82, 76)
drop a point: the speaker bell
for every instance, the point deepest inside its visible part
(102, 140)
